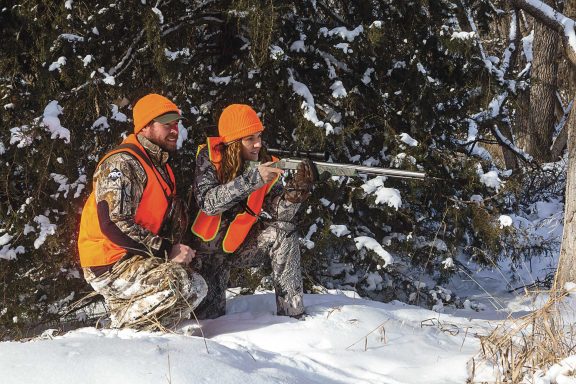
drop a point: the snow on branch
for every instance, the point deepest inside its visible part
(474, 29)
(553, 20)
(373, 245)
(166, 29)
(503, 140)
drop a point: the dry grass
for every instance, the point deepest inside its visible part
(520, 347)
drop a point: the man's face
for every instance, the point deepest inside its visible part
(163, 135)
(251, 146)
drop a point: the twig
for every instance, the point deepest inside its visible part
(365, 337)
(169, 370)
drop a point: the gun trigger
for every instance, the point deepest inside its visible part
(265, 215)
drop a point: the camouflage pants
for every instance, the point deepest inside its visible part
(148, 293)
(276, 245)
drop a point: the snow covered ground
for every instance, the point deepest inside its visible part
(342, 340)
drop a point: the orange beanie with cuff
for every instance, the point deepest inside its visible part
(238, 121)
(150, 107)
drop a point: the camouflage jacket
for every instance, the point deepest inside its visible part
(213, 198)
(119, 182)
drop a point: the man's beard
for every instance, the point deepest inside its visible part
(168, 146)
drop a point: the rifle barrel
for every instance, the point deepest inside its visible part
(338, 169)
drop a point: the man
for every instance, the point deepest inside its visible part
(231, 228)
(132, 224)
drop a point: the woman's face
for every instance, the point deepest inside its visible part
(251, 146)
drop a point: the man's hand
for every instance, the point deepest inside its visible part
(181, 254)
(268, 173)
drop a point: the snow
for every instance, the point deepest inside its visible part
(276, 53)
(463, 35)
(408, 140)
(101, 124)
(341, 340)
(527, 43)
(338, 90)
(71, 37)
(220, 79)
(491, 179)
(52, 122)
(45, 228)
(371, 244)
(308, 104)
(389, 196)
(298, 46)
(87, 59)
(159, 14)
(5, 239)
(376, 24)
(173, 55)
(342, 32)
(505, 221)
(57, 64)
(366, 79)
(448, 263)
(117, 115)
(337, 230)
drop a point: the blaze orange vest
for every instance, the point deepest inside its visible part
(94, 247)
(206, 226)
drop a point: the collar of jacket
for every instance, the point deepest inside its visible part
(156, 153)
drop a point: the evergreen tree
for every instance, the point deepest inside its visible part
(363, 80)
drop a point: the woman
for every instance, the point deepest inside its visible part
(245, 213)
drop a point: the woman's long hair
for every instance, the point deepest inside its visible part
(232, 163)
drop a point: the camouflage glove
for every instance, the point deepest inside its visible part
(298, 189)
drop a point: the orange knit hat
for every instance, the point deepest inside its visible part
(238, 121)
(149, 107)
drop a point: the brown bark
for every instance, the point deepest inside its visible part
(566, 271)
(538, 134)
(567, 84)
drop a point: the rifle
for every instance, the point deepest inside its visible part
(293, 158)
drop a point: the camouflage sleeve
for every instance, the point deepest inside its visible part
(119, 185)
(214, 198)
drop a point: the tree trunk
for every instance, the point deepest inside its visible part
(567, 264)
(510, 159)
(538, 139)
(543, 92)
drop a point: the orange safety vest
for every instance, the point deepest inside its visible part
(206, 226)
(94, 247)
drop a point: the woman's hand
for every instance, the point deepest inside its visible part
(298, 189)
(268, 173)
